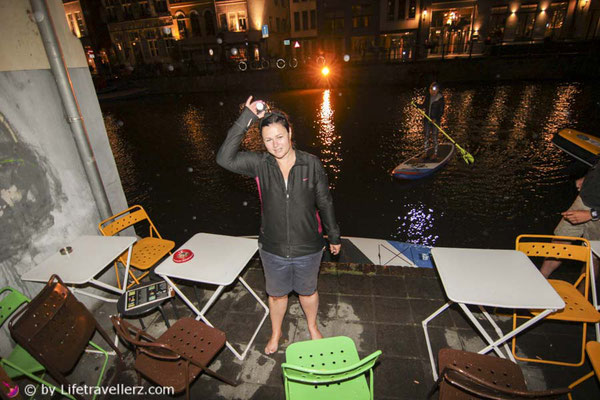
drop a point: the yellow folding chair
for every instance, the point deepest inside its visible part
(577, 307)
(593, 352)
(147, 251)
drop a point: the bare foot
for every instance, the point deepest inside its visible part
(315, 333)
(272, 345)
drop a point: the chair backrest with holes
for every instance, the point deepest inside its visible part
(54, 327)
(10, 302)
(327, 366)
(559, 247)
(123, 220)
(550, 249)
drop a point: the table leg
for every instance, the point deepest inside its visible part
(95, 296)
(262, 321)
(127, 267)
(211, 301)
(594, 294)
(498, 332)
(482, 331)
(510, 335)
(424, 323)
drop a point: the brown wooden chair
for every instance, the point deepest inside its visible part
(56, 328)
(178, 356)
(466, 375)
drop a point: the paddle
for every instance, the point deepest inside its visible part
(465, 154)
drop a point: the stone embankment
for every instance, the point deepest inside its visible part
(407, 74)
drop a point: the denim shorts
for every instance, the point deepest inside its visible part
(298, 274)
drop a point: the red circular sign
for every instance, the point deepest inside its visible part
(183, 255)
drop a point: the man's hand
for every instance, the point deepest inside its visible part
(252, 106)
(576, 217)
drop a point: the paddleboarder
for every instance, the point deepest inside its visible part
(434, 107)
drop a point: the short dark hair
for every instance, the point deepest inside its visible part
(274, 117)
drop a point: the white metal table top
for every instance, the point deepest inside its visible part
(497, 278)
(595, 247)
(90, 255)
(217, 260)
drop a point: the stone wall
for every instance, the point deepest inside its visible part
(45, 197)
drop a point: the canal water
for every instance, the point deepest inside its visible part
(165, 150)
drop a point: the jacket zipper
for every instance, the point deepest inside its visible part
(287, 211)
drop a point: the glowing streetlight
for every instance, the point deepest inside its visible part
(325, 71)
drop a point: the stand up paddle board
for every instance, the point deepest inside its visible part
(584, 147)
(420, 166)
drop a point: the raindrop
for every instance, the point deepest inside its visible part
(167, 30)
(340, 94)
(194, 218)
(190, 169)
(120, 123)
(234, 51)
(170, 67)
(245, 203)
(219, 40)
(221, 103)
(346, 57)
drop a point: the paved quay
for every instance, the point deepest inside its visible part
(380, 308)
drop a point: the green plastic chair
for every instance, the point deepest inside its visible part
(20, 363)
(327, 369)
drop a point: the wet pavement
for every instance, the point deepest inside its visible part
(380, 308)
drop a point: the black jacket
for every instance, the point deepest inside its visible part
(290, 225)
(590, 189)
(436, 109)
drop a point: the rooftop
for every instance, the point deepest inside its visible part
(379, 308)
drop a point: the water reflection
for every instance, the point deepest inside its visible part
(497, 111)
(122, 152)
(517, 184)
(418, 225)
(329, 140)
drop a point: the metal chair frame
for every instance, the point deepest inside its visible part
(577, 309)
(123, 220)
(55, 311)
(169, 352)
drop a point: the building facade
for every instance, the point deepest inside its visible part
(202, 34)
(195, 30)
(303, 29)
(349, 27)
(141, 32)
(83, 20)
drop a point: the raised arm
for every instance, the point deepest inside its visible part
(229, 156)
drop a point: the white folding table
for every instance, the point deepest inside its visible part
(218, 260)
(595, 250)
(494, 278)
(90, 255)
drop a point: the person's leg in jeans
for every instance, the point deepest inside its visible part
(278, 278)
(434, 135)
(564, 228)
(306, 274)
(427, 134)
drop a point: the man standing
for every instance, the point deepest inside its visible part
(434, 108)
